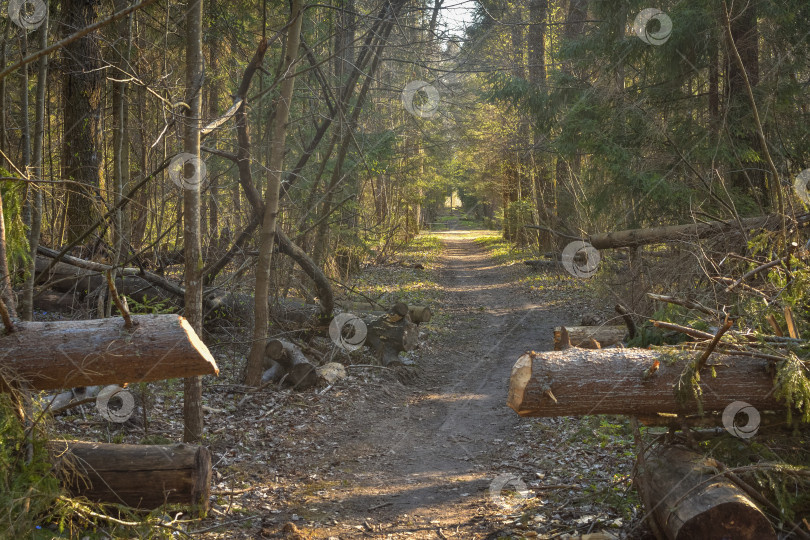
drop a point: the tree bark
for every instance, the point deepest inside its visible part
(301, 373)
(689, 232)
(6, 294)
(192, 250)
(579, 336)
(253, 371)
(62, 354)
(82, 101)
(139, 476)
(27, 311)
(578, 382)
(390, 334)
(689, 501)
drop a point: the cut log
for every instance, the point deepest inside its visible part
(273, 373)
(688, 232)
(578, 382)
(420, 314)
(140, 476)
(390, 334)
(581, 336)
(301, 373)
(63, 354)
(689, 500)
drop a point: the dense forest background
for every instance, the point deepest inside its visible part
(549, 113)
(227, 153)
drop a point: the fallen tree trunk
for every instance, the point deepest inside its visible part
(301, 373)
(578, 382)
(48, 355)
(70, 278)
(689, 501)
(688, 232)
(580, 336)
(140, 476)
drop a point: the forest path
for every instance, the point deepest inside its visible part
(418, 463)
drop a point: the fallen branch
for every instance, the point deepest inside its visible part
(120, 303)
(755, 271)
(688, 304)
(701, 362)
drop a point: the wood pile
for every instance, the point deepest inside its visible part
(386, 333)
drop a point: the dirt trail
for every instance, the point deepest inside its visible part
(424, 457)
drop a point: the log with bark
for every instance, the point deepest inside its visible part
(688, 232)
(392, 333)
(689, 500)
(49, 355)
(639, 382)
(583, 336)
(420, 314)
(301, 373)
(140, 476)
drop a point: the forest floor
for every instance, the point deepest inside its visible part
(431, 452)
(426, 459)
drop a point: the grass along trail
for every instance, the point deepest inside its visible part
(427, 460)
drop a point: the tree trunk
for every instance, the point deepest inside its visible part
(689, 232)
(253, 371)
(744, 30)
(582, 336)
(192, 390)
(689, 501)
(140, 476)
(82, 101)
(6, 293)
(578, 382)
(36, 205)
(101, 351)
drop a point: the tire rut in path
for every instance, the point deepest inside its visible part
(433, 455)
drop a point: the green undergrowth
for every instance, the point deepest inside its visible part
(401, 282)
(501, 250)
(777, 466)
(553, 285)
(33, 503)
